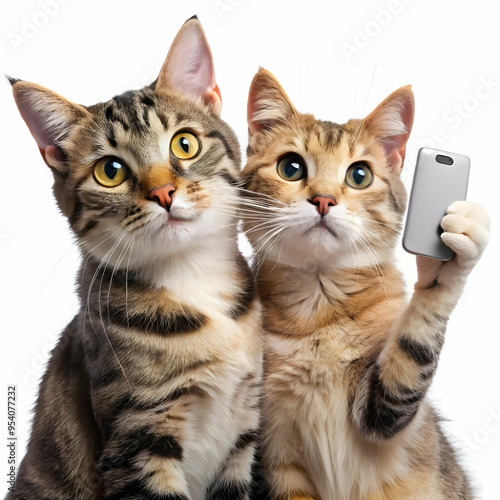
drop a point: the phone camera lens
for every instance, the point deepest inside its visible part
(445, 160)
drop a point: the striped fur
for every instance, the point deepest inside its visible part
(153, 390)
(348, 361)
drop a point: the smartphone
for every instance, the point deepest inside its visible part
(440, 179)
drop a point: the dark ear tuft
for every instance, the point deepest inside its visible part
(12, 81)
(193, 17)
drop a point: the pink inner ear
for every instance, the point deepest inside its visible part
(395, 150)
(252, 107)
(48, 117)
(37, 124)
(395, 145)
(56, 153)
(194, 71)
(214, 99)
(189, 66)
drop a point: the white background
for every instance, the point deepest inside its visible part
(335, 59)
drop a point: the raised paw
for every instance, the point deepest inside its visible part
(466, 227)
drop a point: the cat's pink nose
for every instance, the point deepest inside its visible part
(323, 203)
(163, 195)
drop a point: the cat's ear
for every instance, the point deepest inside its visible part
(49, 116)
(391, 122)
(189, 66)
(268, 104)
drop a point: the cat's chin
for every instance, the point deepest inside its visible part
(176, 232)
(177, 222)
(313, 247)
(321, 229)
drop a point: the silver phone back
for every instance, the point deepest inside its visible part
(435, 187)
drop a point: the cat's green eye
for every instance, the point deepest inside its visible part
(359, 176)
(110, 171)
(292, 168)
(185, 145)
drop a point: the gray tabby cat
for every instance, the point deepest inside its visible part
(152, 389)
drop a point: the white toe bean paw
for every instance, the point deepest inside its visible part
(466, 227)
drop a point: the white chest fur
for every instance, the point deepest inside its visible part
(341, 464)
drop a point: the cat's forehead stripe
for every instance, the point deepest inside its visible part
(329, 134)
(134, 110)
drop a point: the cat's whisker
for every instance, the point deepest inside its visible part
(283, 238)
(369, 248)
(265, 218)
(84, 242)
(105, 262)
(275, 234)
(256, 203)
(266, 236)
(89, 253)
(256, 196)
(115, 268)
(126, 280)
(239, 210)
(354, 263)
(251, 215)
(396, 229)
(266, 203)
(86, 260)
(96, 272)
(265, 224)
(260, 209)
(372, 234)
(54, 268)
(376, 268)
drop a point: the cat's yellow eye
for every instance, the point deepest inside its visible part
(110, 171)
(292, 168)
(359, 176)
(185, 145)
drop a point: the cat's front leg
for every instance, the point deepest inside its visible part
(288, 481)
(395, 382)
(282, 463)
(142, 466)
(234, 480)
